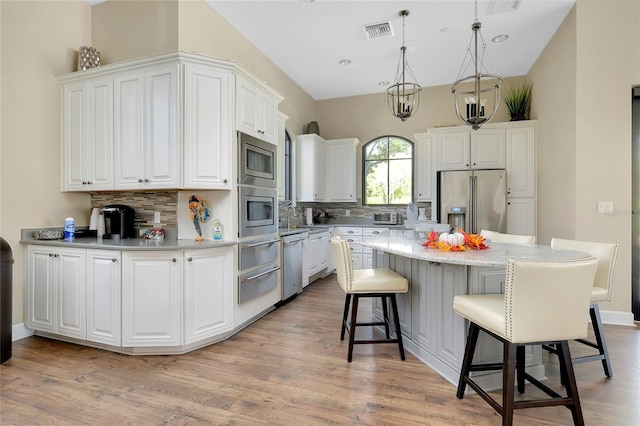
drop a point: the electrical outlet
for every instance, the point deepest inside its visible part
(605, 207)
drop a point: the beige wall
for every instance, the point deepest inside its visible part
(582, 99)
(39, 42)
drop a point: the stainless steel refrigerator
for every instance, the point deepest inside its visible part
(473, 200)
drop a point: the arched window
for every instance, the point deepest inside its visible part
(387, 175)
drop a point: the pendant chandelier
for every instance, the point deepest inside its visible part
(470, 93)
(404, 96)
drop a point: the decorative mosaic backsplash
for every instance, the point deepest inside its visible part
(355, 211)
(144, 203)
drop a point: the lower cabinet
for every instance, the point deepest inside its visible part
(208, 293)
(316, 254)
(104, 312)
(152, 298)
(56, 290)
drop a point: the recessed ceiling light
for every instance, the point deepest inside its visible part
(383, 83)
(500, 38)
(345, 62)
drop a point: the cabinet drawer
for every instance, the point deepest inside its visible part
(348, 230)
(368, 233)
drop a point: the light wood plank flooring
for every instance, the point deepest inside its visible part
(289, 368)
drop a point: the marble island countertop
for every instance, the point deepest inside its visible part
(402, 243)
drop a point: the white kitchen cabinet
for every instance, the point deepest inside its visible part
(56, 290)
(152, 298)
(461, 148)
(208, 106)
(340, 172)
(147, 150)
(367, 252)
(104, 312)
(208, 293)
(521, 216)
(282, 158)
(521, 162)
(353, 235)
(87, 135)
(310, 168)
(256, 111)
(316, 251)
(424, 185)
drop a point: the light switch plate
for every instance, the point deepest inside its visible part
(605, 207)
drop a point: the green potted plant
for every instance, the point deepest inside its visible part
(518, 100)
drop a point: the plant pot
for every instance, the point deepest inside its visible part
(518, 118)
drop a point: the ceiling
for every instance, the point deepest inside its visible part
(307, 39)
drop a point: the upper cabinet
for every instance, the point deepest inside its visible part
(163, 122)
(464, 149)
(310, 154)
(340, 161)
(521, 164)
(87, 135)
(424, 185)
(256, 111)
(146, 128)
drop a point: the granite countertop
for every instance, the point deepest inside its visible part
(402, 243)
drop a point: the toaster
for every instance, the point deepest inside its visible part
(385, 218)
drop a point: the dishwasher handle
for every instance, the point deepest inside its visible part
(292, 240)
(247, 279)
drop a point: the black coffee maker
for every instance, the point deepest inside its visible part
(118, 221)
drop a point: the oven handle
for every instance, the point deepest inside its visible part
(244, 280)
(259, 244)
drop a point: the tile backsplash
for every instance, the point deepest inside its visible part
(144, 203)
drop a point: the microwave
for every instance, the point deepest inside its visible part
(258, 215)
(385, 218)
(257, 162)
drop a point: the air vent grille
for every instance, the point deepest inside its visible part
(379, 30)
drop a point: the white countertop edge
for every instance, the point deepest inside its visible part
(131, 244)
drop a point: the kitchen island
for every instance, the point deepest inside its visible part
(431, 330)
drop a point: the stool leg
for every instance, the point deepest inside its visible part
(396, 318)
(472, 339)
(596, 321)
(566, 368)
(345, 315)
(508, 376)
(385, 313)
(520, 368)
(352, 331)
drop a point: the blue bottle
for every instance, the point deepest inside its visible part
(69, 229)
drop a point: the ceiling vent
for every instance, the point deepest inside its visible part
(379, 30)
(500, 6)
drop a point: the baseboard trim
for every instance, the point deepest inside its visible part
(19, 331)
(617, 318)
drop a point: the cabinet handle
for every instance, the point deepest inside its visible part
(189, 259)
(147, 180)
(84, 183)
(174, 260)
(140, 181)
(509, 204)
(50, 254)
(114, 260)
(376, 232)
(89, 182)
(225, 181)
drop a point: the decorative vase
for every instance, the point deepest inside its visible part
(422, 213)
(88, 57)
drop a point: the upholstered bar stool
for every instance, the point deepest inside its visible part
(543, 302)
(499, 237)
(607, 254)
(382, 282)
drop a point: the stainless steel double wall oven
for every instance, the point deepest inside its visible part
(258, 221)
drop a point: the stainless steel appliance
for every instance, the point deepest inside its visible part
(257, 162)
(258, 214)
(385, 218)
(292, 264)
(119, 221)
(259, 268)
(473, 200)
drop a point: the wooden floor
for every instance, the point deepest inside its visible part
(289, 368)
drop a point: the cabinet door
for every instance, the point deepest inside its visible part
(452, 150)
(268, 110)
(151, 298)
(323, 252)
(207, 127)
(163, 155)
(521, 216)
(314, 252)
(319, 170)
(424, 168)
(451, 329)
(247, 113)
(70, 274)
(208, 277)
(488, 148)
(87, 128)
(423, 291)
(129, 130)
(103, 297)
(40, 289)
(310, 168)
(520, 163)
(341, 170)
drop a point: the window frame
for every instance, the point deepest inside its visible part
(363, 170)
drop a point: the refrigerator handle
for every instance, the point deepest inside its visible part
(473, 218)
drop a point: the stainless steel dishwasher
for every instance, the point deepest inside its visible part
(292, 264)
